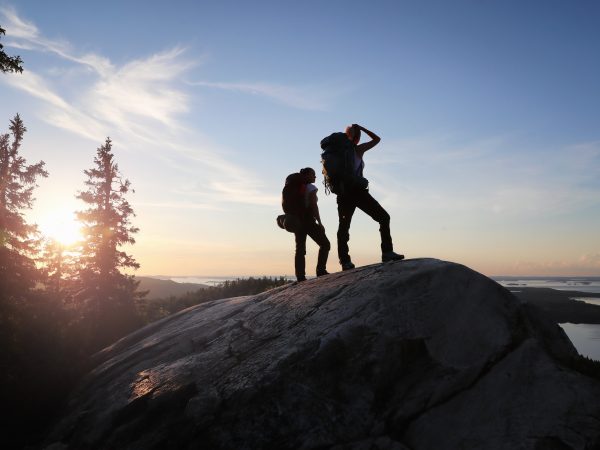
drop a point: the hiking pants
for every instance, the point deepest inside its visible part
(347, 204)
(317, 234)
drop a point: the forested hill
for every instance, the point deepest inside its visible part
(166, 288)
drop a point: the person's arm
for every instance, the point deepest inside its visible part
(362, 148)
(314, 208)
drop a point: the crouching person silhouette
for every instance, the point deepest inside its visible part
(299, 201)
(356, 195)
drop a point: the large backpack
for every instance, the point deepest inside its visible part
(338, 163)
(292, 196)
(293, 203)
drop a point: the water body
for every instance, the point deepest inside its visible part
(585, 337)
(580, 284)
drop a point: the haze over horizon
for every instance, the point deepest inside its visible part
(488, 114)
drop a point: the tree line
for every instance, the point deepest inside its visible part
(57, 307)
(151, 311)
(60, 305)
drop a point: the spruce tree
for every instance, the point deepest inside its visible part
(106, 295)
(59, 265)
(19, 242)
(19, 302)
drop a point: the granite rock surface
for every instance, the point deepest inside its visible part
(415, 354)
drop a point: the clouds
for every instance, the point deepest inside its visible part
(25, 35)
(141, 104)
(494, 176)
(131, 98)
(317, 98)
(36, 86)
(141, 95)
(18, 27)
(144, 104)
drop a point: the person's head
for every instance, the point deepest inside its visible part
(353, 133)
(309, 174)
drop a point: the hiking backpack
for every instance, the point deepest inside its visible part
(292, 202)
(338, 163)
(292, 196)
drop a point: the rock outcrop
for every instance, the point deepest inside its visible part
(416, 354)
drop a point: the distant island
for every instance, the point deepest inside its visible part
(560, 306)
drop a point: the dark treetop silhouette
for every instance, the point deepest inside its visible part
(108, 294)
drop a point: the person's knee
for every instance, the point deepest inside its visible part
(384, 217)
(343, 235)
(343, 226)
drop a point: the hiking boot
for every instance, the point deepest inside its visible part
(321, 273)
(391, 256)
(347, 265)
(299, 279)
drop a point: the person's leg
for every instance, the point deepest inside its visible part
(299, 261)
(317, 234)
(346, 207)
(365, 202)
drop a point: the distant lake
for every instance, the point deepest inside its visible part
(581, 284)
(585, 337)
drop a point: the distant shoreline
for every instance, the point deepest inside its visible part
(212, 280)
(497, 278)
(559, 304)
(551, 278)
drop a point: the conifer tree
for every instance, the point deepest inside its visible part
(19, 241)
(59, 265)
(18, 245)
(108, 296)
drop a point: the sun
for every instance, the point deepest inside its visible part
(62, 226)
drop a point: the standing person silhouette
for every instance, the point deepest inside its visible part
(300, 202)
(359, 197)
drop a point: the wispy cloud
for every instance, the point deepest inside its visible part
(314, 98)
(26, 35)
(494, 175)
(19, 28)
(37, 87)
(142, 103)
(141, 95)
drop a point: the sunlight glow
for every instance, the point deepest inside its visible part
(61, 226)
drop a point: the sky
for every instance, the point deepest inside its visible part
(488, 113)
